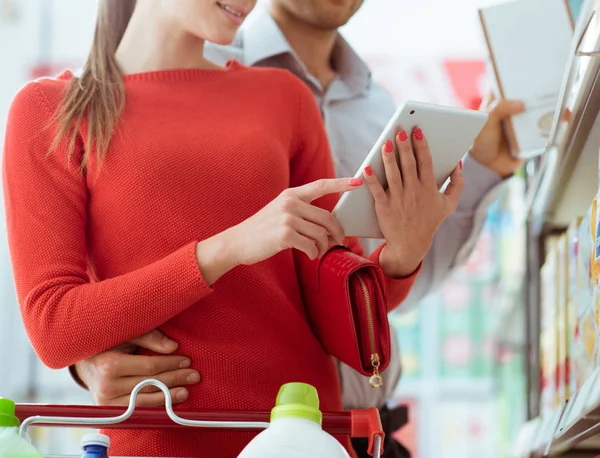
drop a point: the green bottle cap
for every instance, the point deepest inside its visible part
(7, 414)
(297, 400)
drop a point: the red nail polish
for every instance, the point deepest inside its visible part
(368, 171)
(418, 134)
(402, 135)
(388, 147)
(461, 165)
(356, 181)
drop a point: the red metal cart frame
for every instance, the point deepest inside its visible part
(356, 424)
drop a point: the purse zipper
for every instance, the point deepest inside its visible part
(376, 381)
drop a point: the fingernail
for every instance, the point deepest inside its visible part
(418, 133)
(194, 377)
(181, 395)
(461, 165)
(518, 104)
(355, 181)
(402, 136)
(168, 344)
(368, 171)
(388, 147)
(185, 364)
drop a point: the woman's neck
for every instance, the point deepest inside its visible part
(166, 48)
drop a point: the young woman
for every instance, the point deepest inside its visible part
(158, 190)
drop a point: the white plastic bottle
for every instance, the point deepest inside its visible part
(12, 445)
(295, 430)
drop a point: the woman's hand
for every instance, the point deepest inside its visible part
(289, 221)
(412, 208)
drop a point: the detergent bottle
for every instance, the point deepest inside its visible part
(12, 445)
(295, 429)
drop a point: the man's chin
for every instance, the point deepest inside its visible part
(331, 24)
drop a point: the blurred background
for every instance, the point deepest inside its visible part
(462, 348)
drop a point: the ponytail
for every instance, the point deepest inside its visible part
(99, 93)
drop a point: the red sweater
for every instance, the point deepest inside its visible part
(100, 258)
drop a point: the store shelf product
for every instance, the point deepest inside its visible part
(586, 341)
(549, 330)
(562, 328)
(573, 289)
(529, 44)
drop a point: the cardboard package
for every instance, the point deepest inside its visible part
(529, 45)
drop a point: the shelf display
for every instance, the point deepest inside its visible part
(565, 218)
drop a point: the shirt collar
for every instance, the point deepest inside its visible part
(263, 40)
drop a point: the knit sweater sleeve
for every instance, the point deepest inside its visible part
(67, 316)
(312, 161)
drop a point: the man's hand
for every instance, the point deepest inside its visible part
(490, 148)
(112, 375)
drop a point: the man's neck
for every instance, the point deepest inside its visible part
(314, 47)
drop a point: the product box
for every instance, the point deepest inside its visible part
(549, 331)
(587, 244)
(588, 353)
(574, 263)
(593, 276)
(562, 290)
(597, 230)
(585, 348)
(529, 44)
(573, 290)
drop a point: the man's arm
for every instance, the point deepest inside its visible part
(456, 238)
(112, 375)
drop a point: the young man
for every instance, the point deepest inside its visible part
(302, 36)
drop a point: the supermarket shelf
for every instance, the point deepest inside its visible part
(572, 428)
(567, 178)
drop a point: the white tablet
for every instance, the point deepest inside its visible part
(449, 132)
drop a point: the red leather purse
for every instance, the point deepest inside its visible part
(346, 302)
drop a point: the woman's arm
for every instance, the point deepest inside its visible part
(67, 317)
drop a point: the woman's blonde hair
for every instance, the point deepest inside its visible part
(99, 93)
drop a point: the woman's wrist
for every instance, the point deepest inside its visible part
(216, 256)
(397, 266)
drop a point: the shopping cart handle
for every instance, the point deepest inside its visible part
(156, 418)
(357, 424)
(367, 424)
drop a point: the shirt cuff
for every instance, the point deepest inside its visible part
(479, 182)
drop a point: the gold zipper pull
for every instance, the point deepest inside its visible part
(376, 381)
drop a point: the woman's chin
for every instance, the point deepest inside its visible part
(223, 39)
